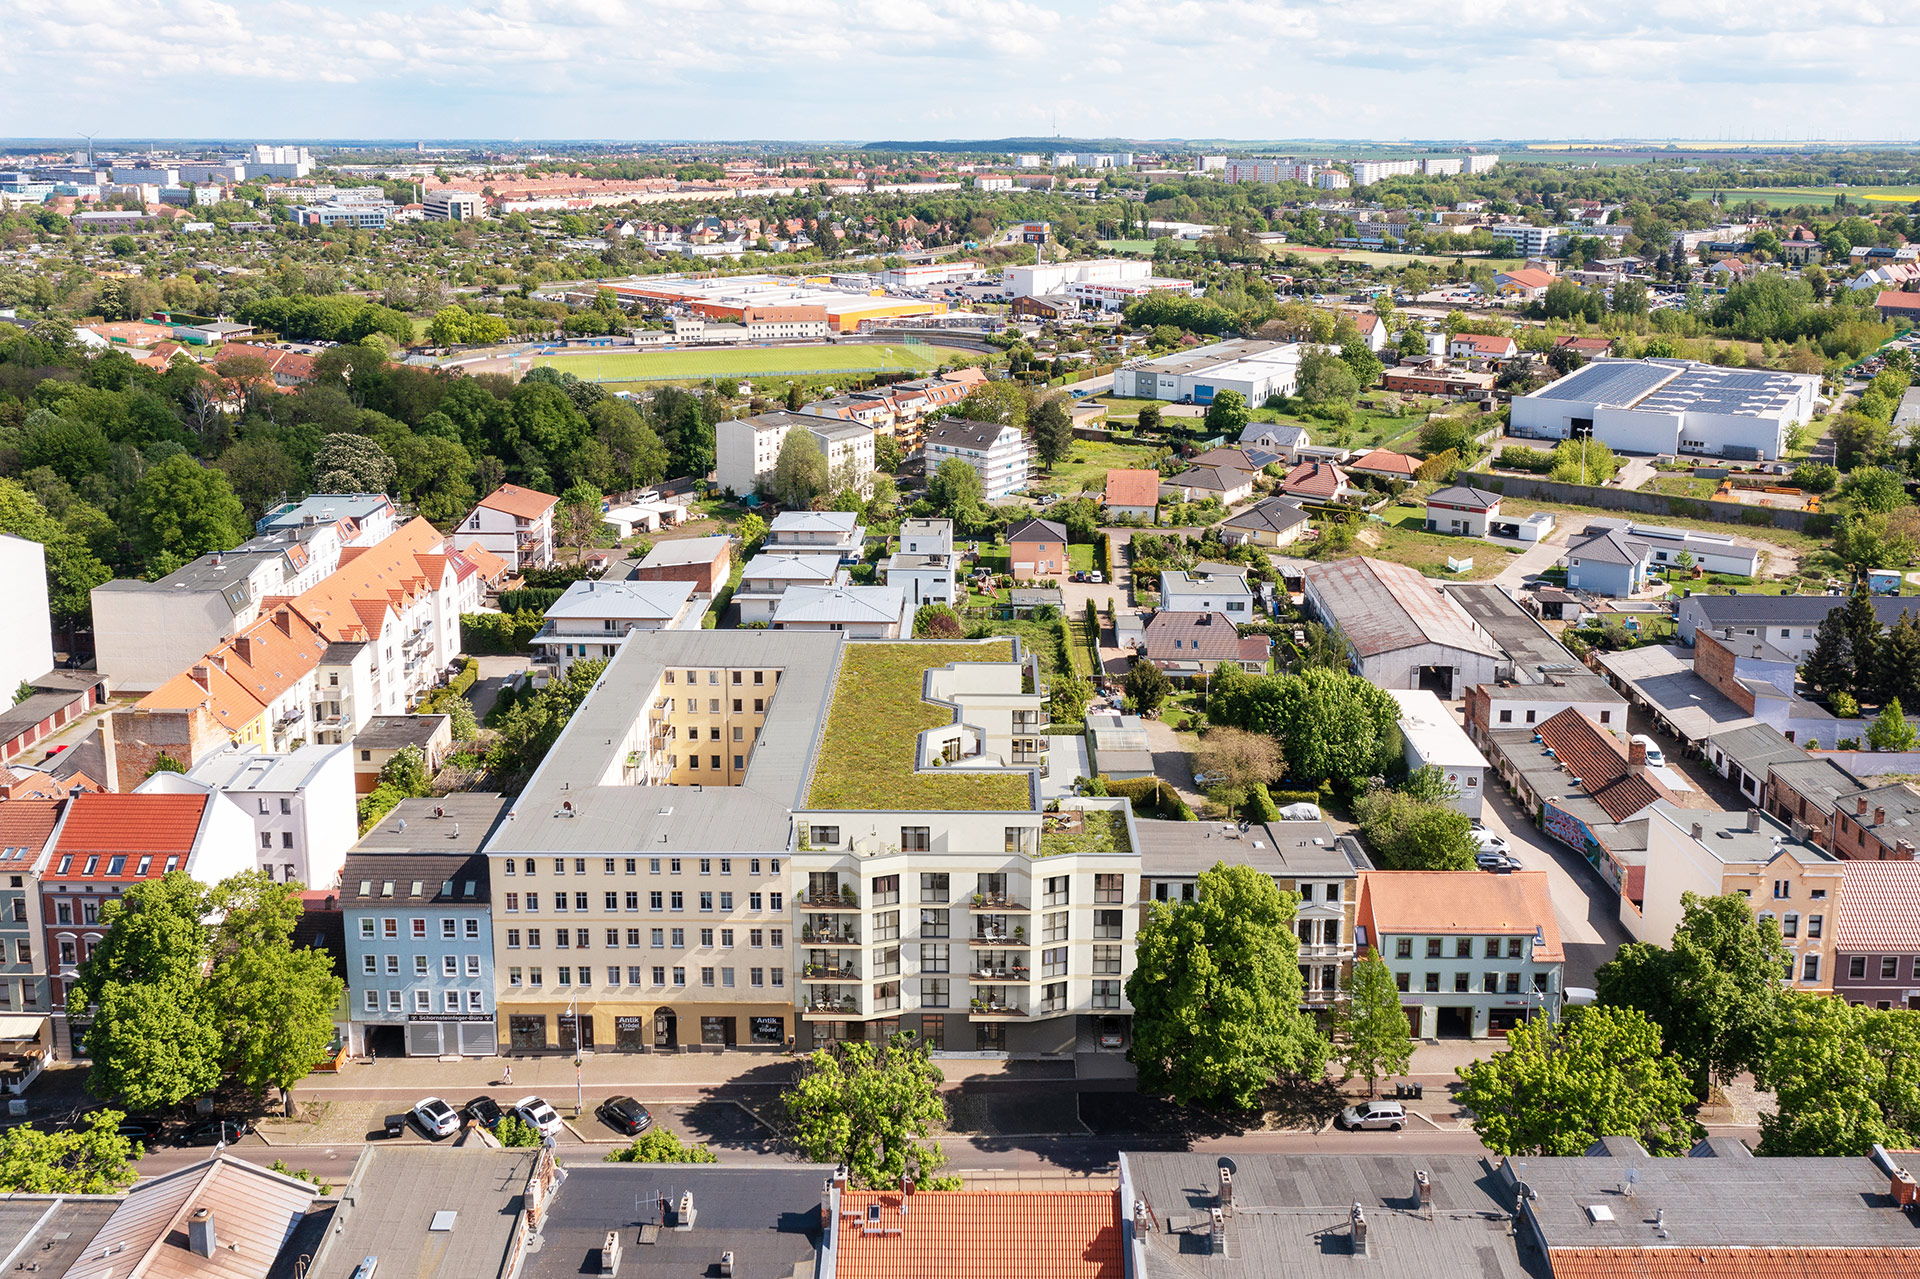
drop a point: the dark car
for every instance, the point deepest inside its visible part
(484, 1111)
(624, 1114)
(213, 1132)
(144, 1131)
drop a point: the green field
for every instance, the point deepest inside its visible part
(1820, 197)
(1146, 246)
(673, 366)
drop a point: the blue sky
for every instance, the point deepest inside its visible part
(867, 69)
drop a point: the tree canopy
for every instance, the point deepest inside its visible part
(870, 1107)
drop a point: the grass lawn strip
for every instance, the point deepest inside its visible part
(662, 366)
(866, 755)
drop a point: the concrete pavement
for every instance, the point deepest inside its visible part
(1585, 909)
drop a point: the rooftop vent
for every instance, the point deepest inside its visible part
(1357, 1218)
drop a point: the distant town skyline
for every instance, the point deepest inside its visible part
(920, 69)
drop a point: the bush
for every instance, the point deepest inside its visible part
(658, 1146)
(1260, 805)
(937, 621)
(1515, 458)
(460, 685)
(504, 633)
(535, 598)
(513, 1131)
(1815, 477)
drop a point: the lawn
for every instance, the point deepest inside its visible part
(1089, 463)
(1102, 830)
(866, 756)
(1789, 197)
(1405, 540)
(1800, 543)
(1146, 246)
(1369, 429)
(1682, 486)
(757, 361)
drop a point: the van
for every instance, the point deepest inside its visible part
(1655, 758)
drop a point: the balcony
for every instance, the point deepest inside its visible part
(831, 1003)
(996, 1005)
(291, 716)
(999, 902)
(985, 937)
(996, 973)
(828, 935)
(844, 899)
(1330, 950)
(813, 972)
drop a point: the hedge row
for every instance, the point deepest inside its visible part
(506, 633)
(537, 599)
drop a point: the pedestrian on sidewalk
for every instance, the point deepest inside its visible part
(507, 1076)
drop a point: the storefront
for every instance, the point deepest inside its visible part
(632, 1028)
(435, 1035)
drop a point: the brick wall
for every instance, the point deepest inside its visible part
(138, 739)
(1713, 662)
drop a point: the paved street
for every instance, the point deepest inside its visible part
(1586, 910)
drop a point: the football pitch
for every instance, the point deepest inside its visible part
(753, 361)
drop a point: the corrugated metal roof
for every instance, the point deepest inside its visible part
(1383, 607)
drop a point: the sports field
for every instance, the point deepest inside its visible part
(752, 361)
(1820, 197)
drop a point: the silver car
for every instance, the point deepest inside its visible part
(1390, 1115)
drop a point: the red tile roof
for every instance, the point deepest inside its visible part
(1529, 277)
(1385, 461)
(1879, 906)
(1894, 300)
(1484, 343)
(1599, 346)
(1314, 479)
(1191, 637)
(1133, 488)
(26, 824)
(526, 504)
(1593, 755)
(128, 823)
(1399, 902)
(1060, 1234)
(1735, 1263)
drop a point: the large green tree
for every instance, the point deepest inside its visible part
(800, 472)
(870, 1107)
(1843, 1078)
(94, 1160)
(1715, 993)
(1897, 662)
(348, 463)
(1228, 415)
(1216, 993)
(73, 568)
(1336, 725)
(1372, 1036)
(955, 490)
(186, 510)
(1051, 425)
(273, 1002)
(1559, 1087)
(1001, 402)
(1409, 832)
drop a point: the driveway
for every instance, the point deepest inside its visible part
(495, 671)
(1635, 471)
(1537, 558)
(1586, 911)
(1170, 761)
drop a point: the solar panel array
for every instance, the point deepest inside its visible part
(1705, 388)
(1621, 383)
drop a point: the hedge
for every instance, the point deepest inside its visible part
(508, 633)
(537, 599)
(460, 685)
(1260, 805)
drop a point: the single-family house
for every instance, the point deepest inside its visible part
(1276, 437)
(1609, 563)
(770, 574)
(1482, 346)
(864, 612)
(592, 619)
(514, 523)
(1037, 548)
(1463, 509)
(1385, 464)
(925, 565)
(1198, 643)
(1209, 588)
(1132, 492)
(1271, 522)
(1202, 482)
(838, 533)
(1316, 481)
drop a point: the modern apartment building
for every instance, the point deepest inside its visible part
(301, 804)
(924, 566)
(1000, 453)
(26, 637)
(514, 523)
(747, 449)
(592, 619)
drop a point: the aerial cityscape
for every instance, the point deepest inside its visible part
(784, 654)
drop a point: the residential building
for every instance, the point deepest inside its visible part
(1266, 171)
(1669, 406)
(1527, 241)
(1276, 437)
(1315, 480)
(1472, 955)
(707, 562)
(1385, 464)
(361, 519)
(1256, 370)
(924, 566)
(1208, 588)
(1272, 522)
(1117, 746)
(1608, 563)
(1332, 180)
(1225, 484)
(1248, 459)
(54, 699)
(1879, 824)
(105, 844)
(221, 1217)
(384, 736)
(999, 453)
(1189, 644)
(887, 1234)
(1132, 494)
(1462, 509)
(1789, 623)
(1808, 792)
(514, 523)
(26, 829)
(416, 898)
(1402, 631)
(462, 1210)
(301, 804)
(1481, 346)
(1037, 548)
(837, 533)
(1744, 756)
(1709, 552)
(448, 205)
(768, 576)
(1432, 738)
(26, 633)
(870, 612)
(1783, 876)
(747, 449)
(1876, 944)
(592, 618)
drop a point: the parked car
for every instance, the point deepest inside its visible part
(435, 1117)
(1497, 863)
(144, 1131)
(484, 1111)
(538, 1113)
(1655, 757)
(213, 1132)
(624, 1114)
(1390, 1115)
(1487, 842)
(1097, 577)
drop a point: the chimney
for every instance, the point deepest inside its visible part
(1218, 1235)
(1860, 806)
(726, 1264)
(1637, 759)
(203, 676)
(217, 559)
(1903, 850)
(1699, 832)
(1423, 1187)
(1358, 1220)
(610, 1253)
(1905, 1190)
(284, 620)
(1799, 830)
(243, 648)
(1226, 1189)
(1142, 1221)
(200, 1235)
(683, 1220)
(1879, 815)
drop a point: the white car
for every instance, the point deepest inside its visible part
(539, 1114)
(1390, 1115)
(1486, 841)
(435, 1117)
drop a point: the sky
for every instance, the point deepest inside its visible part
(861, 70)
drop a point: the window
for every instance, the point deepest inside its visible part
(1403, 948)
(933, 888)
(533, 901)
(1857, 967)
(677, 901)
(449, 928)
(393, 1001)
(449, 965)
(369, 965)
(533, 938)
(1106, 959)
(1106, 994)
(633, 901)
(886, 926)
(679, 938)
(1053, 926)
(706, 976)
(935, 957)
(1400, 982)
(473, 965)
(611, 900)
(535, 978)
(1790, 924)
(706, 901)
(753, 901)
(419, 965)
(371, 1001)
(935, 923)
(513, 938)
(706, 936)
(1782, 889)
(513, 976)
(513, 901)
(1109, 888)
(1107, 924)
(1463, 982)
(914, 839)
(1513, 948)
(1889, 967)
(885, 890)
(1433, 948)
(366, 928)
(655, 901)
(1506, 717)
(934, 992)
(392, 964)
(1433, 983)
(1810, 968)
(565, 976)
(1815, 924)
(1513, 983)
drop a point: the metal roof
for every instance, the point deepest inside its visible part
(1616, 383)
(1384, 607)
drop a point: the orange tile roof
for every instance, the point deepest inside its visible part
(1397, 902)
(1385, 460)
(490, 566)
(1059, 1234)
(1314, 479)
(349, 602)
(129, 823)
(1133, 488)
(1735, 1263)
(267, 661)
(231, 702)
(27, 824)
(1490, 343)
(1530, 277)
(526, 504)
(1593, 755)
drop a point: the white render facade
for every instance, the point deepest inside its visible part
(1000, 454)
(26, 639)
(302, 806)
(746, 449)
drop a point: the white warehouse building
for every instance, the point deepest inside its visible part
(1671, 406)
(1255, 369)
(1054, 277)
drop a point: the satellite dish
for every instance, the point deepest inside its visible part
(1226, 1162)
(1633, 1176)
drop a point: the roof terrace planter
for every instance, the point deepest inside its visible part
(1091, 830)
(829, 973)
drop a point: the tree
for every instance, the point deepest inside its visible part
(1336, 725)
(1411, 833)
(1829, 667)
(1714, 994)
(937, 621)
(577, 515)
(1372, 1036)
(186, 510)
(800, 472)
(1149, 418)
(1897, 659)
(1361, 361)
(1216, 993)
(1843, 1078)
(1002, 402)
(869, 1107)
(1146, 686)
(1862, 623)
(886, 453)
(661, 1146)
(1236, 761)
(152, 1040)
(273, 1002)
(347, 463)
(1559, 1087)
(955, 490)
(753, 534)
(513, 1132)
(94, 1160)
(1052, 428)
(1891, 732)
(1228, 415)
(1874, 488)
(1326, 379)
(73, 568)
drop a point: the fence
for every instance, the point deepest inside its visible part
(1528, 487)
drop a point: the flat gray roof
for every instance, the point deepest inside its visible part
(1287, 849)
(615, 818)
(389, 1208)
(684, 550)
(456, 823)
(392, 731)
(1538, 658)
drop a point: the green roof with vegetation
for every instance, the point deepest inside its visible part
(1103, 830)
(866, 756)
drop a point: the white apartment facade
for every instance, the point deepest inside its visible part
(301, 803)
(514, 523)
(592, 619)
(26, 634)
(999, 453)
(924, 566)
(746, 450)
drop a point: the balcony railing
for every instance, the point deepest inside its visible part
(996, 1009)
(999, 938)
(829, 936)
(999, 902)
(829, 972)
(827, 1004)
(1018, 973)
(1323, 950)
(844, 899)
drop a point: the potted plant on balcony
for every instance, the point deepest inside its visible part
(848, 894)
(1019, 932)
(979, 899)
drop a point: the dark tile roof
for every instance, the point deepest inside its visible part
(1192, 637)
(369, 880)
